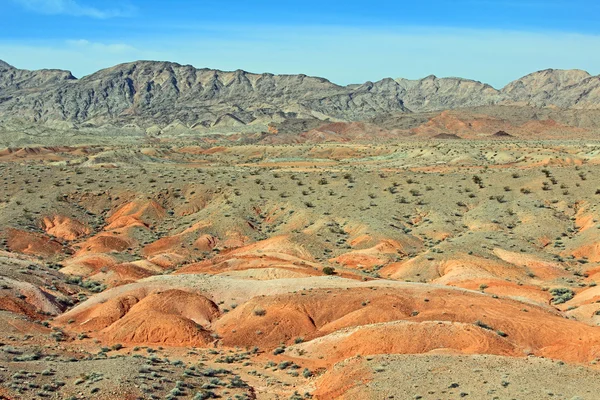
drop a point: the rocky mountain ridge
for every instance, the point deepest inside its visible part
(158, 95)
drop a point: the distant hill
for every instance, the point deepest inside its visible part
(161, 96)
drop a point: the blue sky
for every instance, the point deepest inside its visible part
(494, 41)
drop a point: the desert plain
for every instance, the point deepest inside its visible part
(442, 253)
(414, 268)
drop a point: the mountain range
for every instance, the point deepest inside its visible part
(154, 95)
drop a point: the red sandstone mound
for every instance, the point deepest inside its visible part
(584, 217)
(451, 123)
(19, 306)
(65, 228)
(254, 265)
(124, 226)
(276, 252)
(269, 321)
(167, 260)
(343, 377)
(32, 243)
(168, 245)
(182, 245)
(104, 314)
(88, 264)
(31, 288)
(380, 254)
(277, 245)
(170, 251)
(121, 274)
(542, 269)
(273, 258)
(173, 317)
(510, 274)
(451, 268)
(13, 324)
(136, 213)
(471, 125)
(153, 328)
(26, 299)
(108, 270)
(587, 246)
(188, 235)
(399, 338)
(105, 242)
(193, 204)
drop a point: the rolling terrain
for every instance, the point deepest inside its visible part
(173, 232)
(277, 271)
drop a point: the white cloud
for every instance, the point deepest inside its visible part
(82, 57)
(72, 7)
(114, 48)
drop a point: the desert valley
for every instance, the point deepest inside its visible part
(172, 232)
